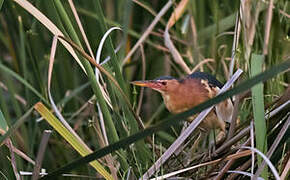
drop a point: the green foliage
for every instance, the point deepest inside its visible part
(258, 106)
(25, 46)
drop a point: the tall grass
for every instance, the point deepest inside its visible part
(103, 110)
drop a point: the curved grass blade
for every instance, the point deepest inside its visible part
(98, 57)
(109, 47)
(69, 134)
(245, 174)
(271, 166)
(104, 71)
(173, 120)
(131, 32)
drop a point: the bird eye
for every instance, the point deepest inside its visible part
(164, 83)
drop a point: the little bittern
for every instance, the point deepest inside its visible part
(180, 95)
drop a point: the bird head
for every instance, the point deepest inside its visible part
(162, 84)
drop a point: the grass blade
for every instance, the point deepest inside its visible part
(16, 125)
(3, 124)
(1, 3)
(48, 24)
(258, 108)
(23, 81)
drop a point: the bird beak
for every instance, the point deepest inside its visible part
(150, 84)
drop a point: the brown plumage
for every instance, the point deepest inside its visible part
(180, 95)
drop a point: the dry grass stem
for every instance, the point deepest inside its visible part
(178, 12)
(229, 164)
(148, 30)
(102, 142)
(17, 96)
(40, 154)
(80, 27)
(234, 118)
(13, 160)
(200, 64)
(235, 43)
(286, 170)
(268, 27)
(143, 78)
(230, 157)
(175, 54)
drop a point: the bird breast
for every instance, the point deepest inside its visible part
(186, 95)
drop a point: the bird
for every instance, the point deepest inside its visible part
(182, 94)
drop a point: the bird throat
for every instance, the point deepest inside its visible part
(173, 105)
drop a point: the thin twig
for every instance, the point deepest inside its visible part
(222, 59)
(233, 140)
(286, 170)
(143, 78)
(176, 55)
(40, 154)
(252, 137)
(178, 12)
(253, 20)
(245, 166)
(72, 176)
(194, 32)
(16, 96)
(230, 157)
(201, 64)
(161, 32)
(151, 11)
(268, 27)
(235, 43)
(284, 13)
(148, 30)
(234, 118)
(109, 158)
(13, 162)
(229, 164)
(80, 26)
(23, 155)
